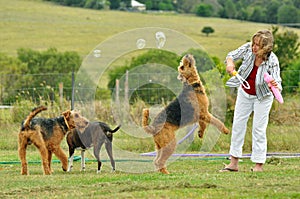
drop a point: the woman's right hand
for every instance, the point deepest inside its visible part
(230, 66)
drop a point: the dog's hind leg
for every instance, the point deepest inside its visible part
(163, 155)
(82, 160)
(38, 141)
(22, 153)
(156, 159)
(97, 147)
(108, 147)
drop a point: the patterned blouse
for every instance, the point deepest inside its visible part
(270, 66)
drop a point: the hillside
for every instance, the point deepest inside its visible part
(41, 25)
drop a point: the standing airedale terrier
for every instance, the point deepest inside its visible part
(189, 107)
(46, 134)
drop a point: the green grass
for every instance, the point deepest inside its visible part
(40, 25)
(190, 178)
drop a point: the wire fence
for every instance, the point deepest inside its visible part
(50, 86)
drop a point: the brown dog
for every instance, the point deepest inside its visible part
(189, 107)
(46, 134)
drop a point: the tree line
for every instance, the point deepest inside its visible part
(35, 75)
(264, 11)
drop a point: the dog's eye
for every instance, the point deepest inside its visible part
(76, 115)
(182, 67)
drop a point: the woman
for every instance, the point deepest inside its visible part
(257, 58)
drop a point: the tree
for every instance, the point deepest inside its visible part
(291, 77)
(49, 61)
(166, 5)
(149, 5)
(229, 9)
(207, 30)
(187, 6)
(155, 91)
(286, 47)
(114, 4)
(242, 14)
(271, 11)
(44, 71)
(151, 56)
(9, 69)
(205, 10)
(287, 14)
(258, 15)
(202, 58)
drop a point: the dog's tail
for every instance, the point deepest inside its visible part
(106, 128)
(114, 130)
(33, 113)
(147, 128)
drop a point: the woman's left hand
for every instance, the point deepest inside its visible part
(273, 83)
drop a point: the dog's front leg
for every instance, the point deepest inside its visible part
(202, 127)
(60, 154)
(70, 166)
(220, 125)
(82, 160)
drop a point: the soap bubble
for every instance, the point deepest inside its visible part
(160, 39)
(97, 53)
(140, 43)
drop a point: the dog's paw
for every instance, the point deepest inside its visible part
(82, 169)
(164, 171)
(145, 111)
(200, 134)
(70, 169)
(226, 131)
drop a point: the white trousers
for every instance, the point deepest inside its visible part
(245, 105)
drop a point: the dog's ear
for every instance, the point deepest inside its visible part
(187, 60)
(190, 59)
(67, 114)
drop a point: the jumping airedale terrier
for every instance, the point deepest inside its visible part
(46, 134)
(189, 107)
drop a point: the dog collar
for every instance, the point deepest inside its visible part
(66, 122)
(196, 85)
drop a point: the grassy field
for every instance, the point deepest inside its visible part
(190, 178)
(40, 25)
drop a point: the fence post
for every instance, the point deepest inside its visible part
(73, 82)
(126, 89)
(117, 92)
(61, 93)
(126, 93)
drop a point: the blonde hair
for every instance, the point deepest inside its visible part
(266, 42)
